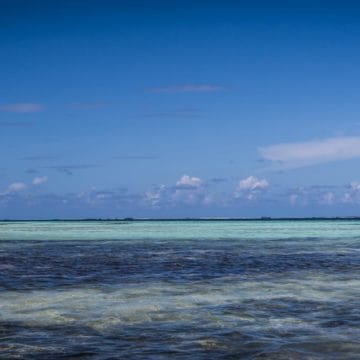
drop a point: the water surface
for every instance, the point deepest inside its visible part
(180, 290)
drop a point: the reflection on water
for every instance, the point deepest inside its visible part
(160, 296)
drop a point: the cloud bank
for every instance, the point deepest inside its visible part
(188, 195)
(299, 154)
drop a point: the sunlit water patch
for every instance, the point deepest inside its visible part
(152, 290)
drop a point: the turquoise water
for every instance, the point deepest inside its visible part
(180, 290)
(179, 230)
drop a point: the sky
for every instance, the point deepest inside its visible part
(113, 109)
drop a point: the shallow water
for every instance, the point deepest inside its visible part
(180, 290)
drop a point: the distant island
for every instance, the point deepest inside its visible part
(129, 219)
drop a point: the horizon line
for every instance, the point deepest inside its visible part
(262, 218)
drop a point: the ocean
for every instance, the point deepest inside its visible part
(266, 289)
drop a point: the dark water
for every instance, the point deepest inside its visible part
(162, 297)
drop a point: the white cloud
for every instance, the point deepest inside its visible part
(253, 183)
(355, 185)
(189, 181)
(188, 190)
(353, 194)
(328, 198)
(348, 198)
(39, 180)
(16, 186)
(21, 107)
(155, 196)
(300, 196)
(250, 187)
(298, 154)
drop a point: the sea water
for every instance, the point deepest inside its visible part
(180, 289)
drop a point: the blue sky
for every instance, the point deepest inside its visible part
(179, 109)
